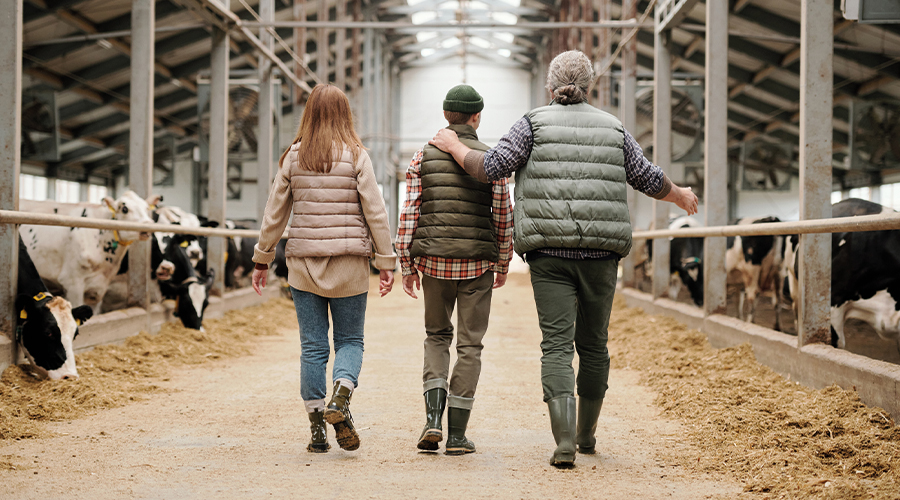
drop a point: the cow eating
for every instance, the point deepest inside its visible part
(46, 325)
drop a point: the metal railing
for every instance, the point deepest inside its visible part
(858, 223)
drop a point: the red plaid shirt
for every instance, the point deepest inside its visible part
(452, 269)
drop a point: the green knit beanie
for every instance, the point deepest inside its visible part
(463, 99)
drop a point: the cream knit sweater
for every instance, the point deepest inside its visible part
(335, 276)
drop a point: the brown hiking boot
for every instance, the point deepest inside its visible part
(337, 413)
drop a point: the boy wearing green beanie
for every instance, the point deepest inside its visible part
(456, 231)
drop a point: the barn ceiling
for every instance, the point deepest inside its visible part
(71, 48)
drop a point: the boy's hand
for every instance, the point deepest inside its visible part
(408, 282)
(499, 280)
(386, 281)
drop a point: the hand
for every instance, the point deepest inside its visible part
(386, 281)
(499, 280)
(258, 278)
(444, 140)
(408, 282)
(687, 200)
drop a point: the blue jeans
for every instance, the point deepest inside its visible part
(349, 315)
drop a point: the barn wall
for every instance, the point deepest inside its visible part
(506, 93)
(784, 204)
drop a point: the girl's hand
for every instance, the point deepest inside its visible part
(258, 278)
(386, 281)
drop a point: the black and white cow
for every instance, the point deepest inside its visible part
(179, 280)
(758, 259)
(46, 325)
(865, 274)
(82, 261)
(686, 262)
(175, 215)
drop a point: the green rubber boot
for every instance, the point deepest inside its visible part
(562, 422)
(457, 421)
(588, 413)
(337, 413)
(319, 441)
(432, 434)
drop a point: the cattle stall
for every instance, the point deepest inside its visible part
(804, 358)
(117, 325)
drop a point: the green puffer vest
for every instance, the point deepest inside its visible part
(455, 216)
(571, 193)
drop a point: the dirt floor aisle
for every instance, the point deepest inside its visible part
(236, 429)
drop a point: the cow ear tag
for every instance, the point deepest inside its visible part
(78, 322)
(184, 244)
(23, 314)
(39, 297)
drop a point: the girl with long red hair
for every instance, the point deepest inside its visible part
(326, 181)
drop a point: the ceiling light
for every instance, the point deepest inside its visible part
(104, 43)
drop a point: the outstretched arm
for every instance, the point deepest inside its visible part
(649, 179)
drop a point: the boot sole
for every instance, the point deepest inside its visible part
(587, 450)
(458, 451)
(318, 448)
(333, 416)
(346, 435)
(429, 441)
(563, 461)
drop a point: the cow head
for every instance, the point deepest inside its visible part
(178, 280)
(46, 328)
(175, 215)
(691, 273)
(132, 208)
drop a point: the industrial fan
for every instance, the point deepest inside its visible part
(242, 121)
(874, 135)
(687, 122)
(765, 166)
(40, 133)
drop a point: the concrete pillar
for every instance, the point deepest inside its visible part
(264, 147)
(140, 145)
(662, 153)
(628, 115)
(218, 153)
(816, 88)
(299, 46)
(604, 96)
(715, 196)
(10, 162)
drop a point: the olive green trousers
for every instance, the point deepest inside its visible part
(473, 299)
(574, 300)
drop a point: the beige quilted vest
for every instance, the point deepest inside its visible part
(328, 218)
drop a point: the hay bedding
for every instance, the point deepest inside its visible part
(112, 375)
(780, 439)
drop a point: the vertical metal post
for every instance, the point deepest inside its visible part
(322, 42)
(604, 96)
(300, 46)
(140, 147)
(628, 115)
(340, 48)
(368, 95)
(816, 88)
(715, 196)
(10, 160)
(377, 116)
(395, 142)
(354, 51)
(662, 153)
(265, 115)
(218, 152)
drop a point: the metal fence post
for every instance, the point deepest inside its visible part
(662, 153)
(628, 115)
(218, 153)
(816, 87)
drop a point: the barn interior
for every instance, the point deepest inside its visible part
(762, 107)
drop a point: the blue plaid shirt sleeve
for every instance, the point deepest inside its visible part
(640, 173)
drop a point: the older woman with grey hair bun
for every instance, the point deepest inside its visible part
(572, 164)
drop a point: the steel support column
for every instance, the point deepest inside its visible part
(140, 144)
(299, 46)
(604, 96)
(662, 153)
(816, 88)
(322, 41)
(628, 115)
(218, 152)
(265, 115)
(715, 195)
(10, 161)
(340, 47)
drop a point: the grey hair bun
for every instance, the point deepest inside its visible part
(569, 94)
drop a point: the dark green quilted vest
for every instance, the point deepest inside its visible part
(455, 216)
(571, 193)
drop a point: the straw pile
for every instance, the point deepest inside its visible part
(112, 375)
(780, 439)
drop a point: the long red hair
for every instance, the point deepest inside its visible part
(327, 123)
